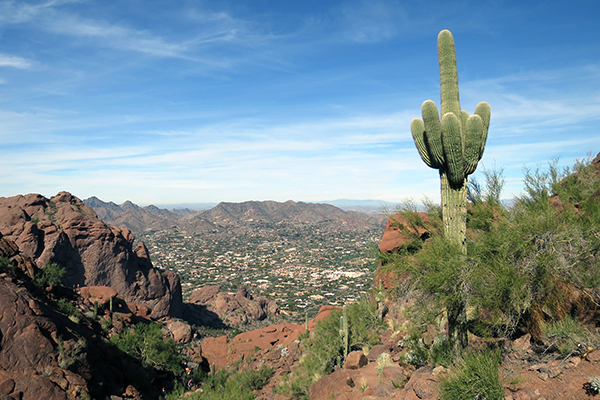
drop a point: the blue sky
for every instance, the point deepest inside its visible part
(206, 101)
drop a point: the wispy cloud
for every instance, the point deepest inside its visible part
(538, 100)
(373, 21)
(14, 61)
(49, 17)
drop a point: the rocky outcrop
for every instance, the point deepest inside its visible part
(232, 310)
(45, 354)
(29, 363)
(65, 231)
(399, 232)
(223, 352)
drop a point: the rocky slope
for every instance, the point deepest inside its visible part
(65, 231)
(47, 354)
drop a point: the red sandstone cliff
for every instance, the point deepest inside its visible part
(65, 231)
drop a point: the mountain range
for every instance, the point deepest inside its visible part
(231, 215)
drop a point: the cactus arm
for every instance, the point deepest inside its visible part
(448, 73)
(453, 149)
(473, 136)
(484, 111)
(464, 116)
(417, 129)
(433, 133)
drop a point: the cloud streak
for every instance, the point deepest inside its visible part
(14, 62)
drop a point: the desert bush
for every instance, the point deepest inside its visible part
(324, 350)
(522, 263)
(6, 265)
(226, 385)
(569, 336)
(440, 352)
(474, 376)
(145, 342)
(51, 274)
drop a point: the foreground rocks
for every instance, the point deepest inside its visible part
(45, 354)
(65, 231)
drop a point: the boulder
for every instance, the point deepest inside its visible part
(100, 294)
(179, 331)
(233, 310)
(356, 360)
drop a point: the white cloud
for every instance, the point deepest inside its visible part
(14, 61)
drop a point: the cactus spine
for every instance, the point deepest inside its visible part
(453, 144)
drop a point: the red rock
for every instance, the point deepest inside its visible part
(394, 373)
(204, 294)
(594, 356)
(92, 253)
(233, 310)
(394, 238)
(180, 331)
(422, 385)
(139, 309)
(7, 387)
(355, 360)
(100, 294)
(216, 351)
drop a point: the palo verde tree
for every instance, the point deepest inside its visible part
(453, 144)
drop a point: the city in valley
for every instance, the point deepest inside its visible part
(301, 266)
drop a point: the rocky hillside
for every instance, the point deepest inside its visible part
(65, 231)
(239, 216)
(53, 339)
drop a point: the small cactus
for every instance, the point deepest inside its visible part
(344, 331)
(306, 317)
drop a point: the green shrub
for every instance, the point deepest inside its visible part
(522, 262)
(51, 274)
(6, 265)
(475, 376)
(594, 384)
(569, 336)
(440, 352)
(323, 351)
(226, 385)
(145, 342)
(65, 306)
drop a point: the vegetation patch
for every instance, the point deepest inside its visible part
(474, 376)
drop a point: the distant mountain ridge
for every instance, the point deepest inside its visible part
(137, 219)
(140, 219)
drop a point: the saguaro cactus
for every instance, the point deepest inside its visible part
(453, 145)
